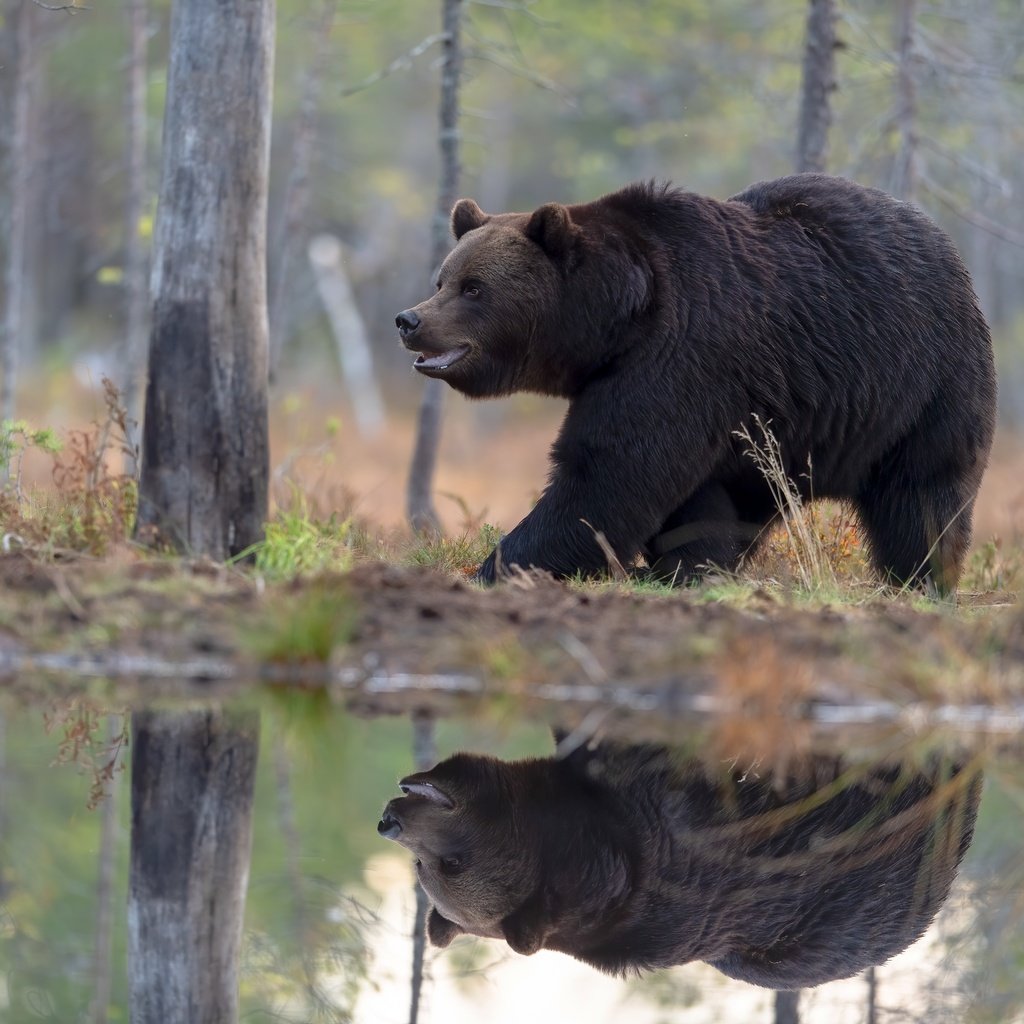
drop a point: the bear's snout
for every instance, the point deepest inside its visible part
(389, 826)
(407, 322)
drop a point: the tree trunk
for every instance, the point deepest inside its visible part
(419, 496)
(787, 1007)
(424, 745)
(20, 17)
(819, 82)
(904, 184)
(296, 193)
(193, 776)
(872, 980)
(136, 287)
(349, 330)
(101, 966)
(205, 448)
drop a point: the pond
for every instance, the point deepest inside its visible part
(783, 858)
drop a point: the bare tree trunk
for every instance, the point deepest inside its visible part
(296, 194)
(904, 183)
(424, 745)
(419, 496)
(101, 964)
(193, 776)
(205, 448)
(819, 82)
(20, 18)
(349, 330)
(136, 287)
(872, 980)
(787, 1007)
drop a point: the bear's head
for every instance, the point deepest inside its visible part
(499, 293)
(469, 826)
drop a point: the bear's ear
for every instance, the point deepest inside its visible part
(466, 216)
(527, 928)
(440, 930)
(552, 229)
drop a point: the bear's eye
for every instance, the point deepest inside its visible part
(452, 865)
(471, 291)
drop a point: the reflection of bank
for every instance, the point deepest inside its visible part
(629, 859)
(475, 980)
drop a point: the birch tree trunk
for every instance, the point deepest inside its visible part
(419, 495)
(20, 18)
(204, 447)
(193, 775)
(818, 84)
(136, 287)
(904, 184)
(349, 330)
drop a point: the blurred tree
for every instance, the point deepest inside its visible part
(419, 496)
(136, 286)
(904, 178)
(818, 84)
(205, 448)
(19, 20)
(787, 1007)
(424, 748)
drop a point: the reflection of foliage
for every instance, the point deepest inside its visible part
(312, 971)
(100, 757)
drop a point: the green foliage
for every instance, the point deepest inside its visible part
(17, 437)
(295, 544)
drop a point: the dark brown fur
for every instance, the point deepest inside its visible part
(628, 860)
(841, 317)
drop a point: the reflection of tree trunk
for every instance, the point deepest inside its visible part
(787, 1007)
(19, 16)
(3, 801)
(424, 745)
(193, 775)
(349, 330)
(419, 497)
(136, 288)
(819, 82)
(205, 459)
(905, 169)
(872, 980)
(105, 892)
(295, 204)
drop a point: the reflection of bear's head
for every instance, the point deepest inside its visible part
(522, 303)
(628, 860)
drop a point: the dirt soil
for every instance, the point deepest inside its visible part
(530, 637)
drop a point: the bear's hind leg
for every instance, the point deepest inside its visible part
(707, 531)
(918, 533)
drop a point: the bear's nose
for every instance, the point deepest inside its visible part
(407, 321)
(389, 826)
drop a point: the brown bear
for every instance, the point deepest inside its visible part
(837, 315)
(629, 859)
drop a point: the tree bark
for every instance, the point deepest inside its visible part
(101, 964)
(419, 495)
(136, 287)
(205, 447)
(424, 745)
(296, 194)
(193, 776)
(787, 1007)
(20, 18)
(904, 184)
(818, 84)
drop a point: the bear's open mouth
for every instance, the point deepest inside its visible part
(441, 361)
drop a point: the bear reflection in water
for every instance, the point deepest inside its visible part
(629, 858)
